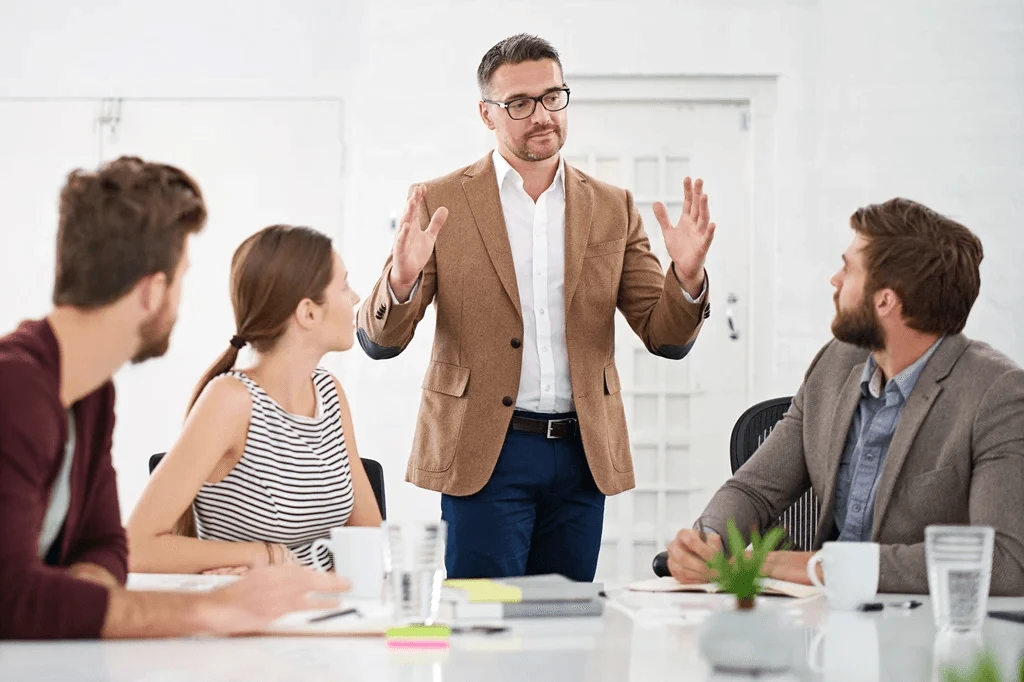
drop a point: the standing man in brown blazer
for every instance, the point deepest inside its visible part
(901, 422)
(521, 424)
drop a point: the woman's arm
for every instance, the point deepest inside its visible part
(365, 512)
(216, 428)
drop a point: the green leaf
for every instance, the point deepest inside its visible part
(740, 574)
(737, 547)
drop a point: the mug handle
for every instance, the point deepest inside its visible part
(314, 552)
(812, 573)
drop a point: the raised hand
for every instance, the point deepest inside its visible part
(688, 240)
(414, 243)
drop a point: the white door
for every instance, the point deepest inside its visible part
(258, 163)
(680, 413)
(40, 143)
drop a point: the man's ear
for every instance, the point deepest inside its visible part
(485, 115)
(887, 303)
(152, 291)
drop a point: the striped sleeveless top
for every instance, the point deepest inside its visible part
(293, 483)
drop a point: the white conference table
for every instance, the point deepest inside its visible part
(641, 638)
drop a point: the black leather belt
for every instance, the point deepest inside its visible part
(550, 428)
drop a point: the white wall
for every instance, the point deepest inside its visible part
(922, 98)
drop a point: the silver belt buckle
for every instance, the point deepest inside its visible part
(552, 422)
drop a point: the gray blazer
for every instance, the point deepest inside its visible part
(957, 457)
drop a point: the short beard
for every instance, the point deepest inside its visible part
(859, 326)
(522, 151)
(155, 336)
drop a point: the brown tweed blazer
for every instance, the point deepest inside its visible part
(957, 457)
(473, 376)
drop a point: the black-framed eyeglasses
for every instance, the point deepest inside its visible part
(523, 107)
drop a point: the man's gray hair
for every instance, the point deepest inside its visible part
(516, 49)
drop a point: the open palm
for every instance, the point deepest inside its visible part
(414, 241)
(688, 240)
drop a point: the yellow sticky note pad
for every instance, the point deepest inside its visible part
(482, 590)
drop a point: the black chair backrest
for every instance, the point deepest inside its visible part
(752, 428)
(374, 472)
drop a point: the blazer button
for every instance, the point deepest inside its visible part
(507, 401)
(516, 343)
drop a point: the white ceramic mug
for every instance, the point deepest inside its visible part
(359, 556)
(851, 573)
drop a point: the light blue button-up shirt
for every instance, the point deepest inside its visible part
(867, 444)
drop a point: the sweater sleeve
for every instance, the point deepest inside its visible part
(100, 537)
(36, 601)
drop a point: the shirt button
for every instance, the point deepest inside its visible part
(516, 343)
(507, 401)
(541, 311)
(856, 508)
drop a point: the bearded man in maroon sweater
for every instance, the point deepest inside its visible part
(122, 251)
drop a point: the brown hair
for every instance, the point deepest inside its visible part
(516, 49)
(271, 273)
(127, 220)
(929, 260)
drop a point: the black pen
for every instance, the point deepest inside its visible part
(878, 606)
(335, 614)
(480, 629)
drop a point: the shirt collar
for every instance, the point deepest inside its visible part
(871, 377)
(503, 170)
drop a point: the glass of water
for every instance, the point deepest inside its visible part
(959, 560)
(414, 565)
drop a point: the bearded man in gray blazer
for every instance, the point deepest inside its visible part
(901, 421)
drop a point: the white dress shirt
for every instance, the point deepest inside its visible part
(536, 233)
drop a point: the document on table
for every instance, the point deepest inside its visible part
(371, 617)
(774, 587)
(177, 582)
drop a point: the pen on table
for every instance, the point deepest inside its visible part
(335, 614)
(878, 606)
(479, 629)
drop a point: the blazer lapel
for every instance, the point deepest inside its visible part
(842, 417)
(579, 208)
(481, 188)
(918, 405)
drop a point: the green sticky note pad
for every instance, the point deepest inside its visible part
(420, 632)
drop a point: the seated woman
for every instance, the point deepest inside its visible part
(266, 462)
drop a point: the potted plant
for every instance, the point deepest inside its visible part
(741, 575)
(745, 638)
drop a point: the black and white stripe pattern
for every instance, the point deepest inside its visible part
(293, 483)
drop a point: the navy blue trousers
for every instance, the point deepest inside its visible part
(540, 512)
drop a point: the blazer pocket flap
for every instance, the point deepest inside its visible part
(604, 248)
(448, 379)
(611, 379)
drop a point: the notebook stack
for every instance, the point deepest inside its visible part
(537, 596)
